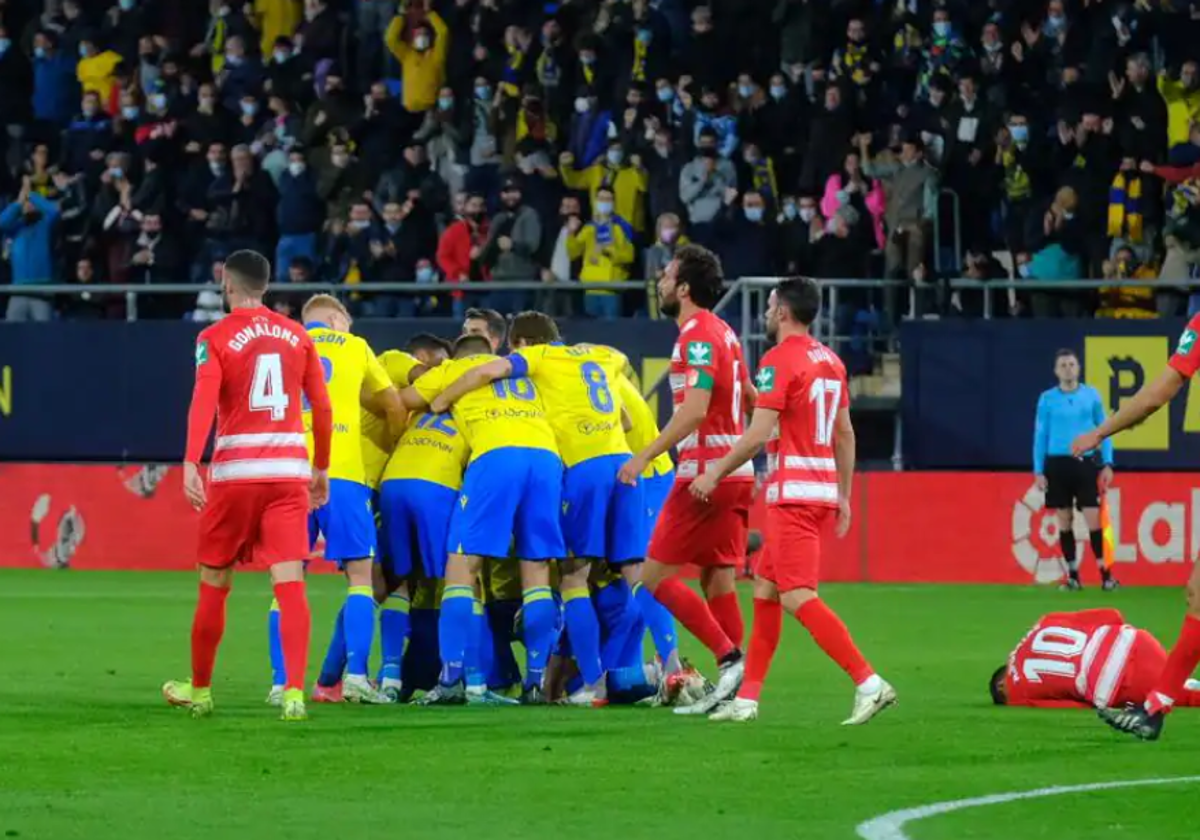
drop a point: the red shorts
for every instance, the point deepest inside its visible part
(791, 555)
(244, 522)
(708, 534)
(1142, 670)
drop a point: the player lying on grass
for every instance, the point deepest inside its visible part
(1084, 659)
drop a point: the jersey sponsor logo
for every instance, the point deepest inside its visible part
(1186, 341)
(765, 381)
(201, 353)
(699, 353)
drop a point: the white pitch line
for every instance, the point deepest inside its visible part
(890, 826)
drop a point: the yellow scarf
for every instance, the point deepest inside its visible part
(1016, 179)
(639, 60)
(764, 179)
(1124, 208)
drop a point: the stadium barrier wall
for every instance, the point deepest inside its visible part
(936, 527)
(119, 392)
(970, 389)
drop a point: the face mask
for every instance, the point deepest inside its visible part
(789, 211)
(158, 100)
(130, 112)
(483, 92)
(645, 35)
(615, 156)
(83, 51)
(993, 46)
(392, 227)
(668, 234)
(941, 28)
(1020, 133)
(232, 59)
(116, 173)
(5, 43)
(425, 274)
(89, 110)
(604, 208)
(281, 56)
(807, 214)
(1068, 216)
(421, 43)
(216, 167)
(126, 5)
(750, 158)
(753, 214)
(778, 92)
(587, 60)
(359, 224)
(745, 91)
(39, 52)
(296, 168)
(1054, 23)
(445, 103)
(340, 160)
(662, 150)
(207, 102)
(581, 105)
(249, 108)
(665, 94)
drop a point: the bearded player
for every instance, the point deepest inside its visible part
(711, 392)
(1090, 658)
(803, 417)
(1145, 721)
(252, 368)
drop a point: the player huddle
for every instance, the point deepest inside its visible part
(532, 490)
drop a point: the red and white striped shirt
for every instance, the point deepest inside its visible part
(252, 367)
(708, 355)
(805, 382)
(1071, 659)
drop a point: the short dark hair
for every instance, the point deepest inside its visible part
(430, 342)
(801, 296)
(533, 328)
(996, 686)
(700, 268)
(471, 345)
(497, 326)
(302, 262)
(250, 270)
(1065, 351)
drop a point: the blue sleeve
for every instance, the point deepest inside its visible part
(1041, 435)
(8, 219)
(1106, 445)
(729, 142)
(520, 367)
(48, 208)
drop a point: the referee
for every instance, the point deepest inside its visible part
(1062, 414)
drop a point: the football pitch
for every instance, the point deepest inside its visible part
(89, 750)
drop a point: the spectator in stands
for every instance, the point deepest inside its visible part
(284, 75)
(484, 154)
(563, 268)
(702, 186)
(320, 34)
(588, 134)
(444, 133)
(54, 86)
(746, 236)
(800, 226)
(155, 260)
(668, 238)
(624, 178)
(301, 270)
(422, 55)
(1060, 257)
(86, 305)
(461, 245)
(29, 221)
(299, 214)
(413, 174)
(96, 68)
(1124, 300)
(334, 111)
(830, 132)
(405, 237)
(850, 187)
(241, 74)
(243, 202)
(342, 180)
(912, 202)
(605, 246)
(1182, 98)
(510, 253)
(663, 170)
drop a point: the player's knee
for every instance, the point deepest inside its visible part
(462, 570)
(218, 578)
(534, 574)
(632, 572)
(1064, 516)
(719, 581)
(360, 573)
(653, 573)
(794, 599)
(289, 572)
(764, 590)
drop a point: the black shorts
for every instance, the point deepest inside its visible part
(1071, 482)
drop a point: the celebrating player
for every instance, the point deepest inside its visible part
(1146, 720)
(511, 493)
(1090, 658)
(803, 415)
(487, 323)
(711, 392)
(252, 367)
(602, 519)
(346, 520)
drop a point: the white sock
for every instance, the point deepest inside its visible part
(870, 685)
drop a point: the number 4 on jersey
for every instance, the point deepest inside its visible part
(266, 390)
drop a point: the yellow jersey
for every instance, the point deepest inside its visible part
(645, 427)
(575, 384)
(350, 368)
(431, 449)
(375, 437)
(508, 413)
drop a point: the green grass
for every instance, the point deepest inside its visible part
(88, 750)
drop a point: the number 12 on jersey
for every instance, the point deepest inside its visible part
(826, 396)
(266, 389)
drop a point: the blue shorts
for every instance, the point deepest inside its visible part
(510, 496)
(416, 521)
(347, 521)
(654, 493)
(602, 518)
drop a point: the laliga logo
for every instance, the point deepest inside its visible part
(1035, 537)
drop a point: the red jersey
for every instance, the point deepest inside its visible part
(253, 366)
(1187, 353)
(805, 382)
(1071, 659)
(708, 355)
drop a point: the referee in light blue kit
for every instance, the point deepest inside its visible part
(1063, 413)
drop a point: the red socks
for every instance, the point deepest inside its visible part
(831, 636)
(728, 613)
(764, 639)
(295, 628)
(1180, 665)
(694, 614)
(208, 626)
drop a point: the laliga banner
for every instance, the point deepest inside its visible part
(907, 527)
(970, 389)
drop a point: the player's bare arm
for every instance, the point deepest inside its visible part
(322, 428)
(1145, 402)
(844, 454)
(201, 414)
(686, 420)
(413, 400)
(626, 420)
(386, 403)
(761, 425)
(472, 380)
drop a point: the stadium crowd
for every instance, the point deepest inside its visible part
(585, 140)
